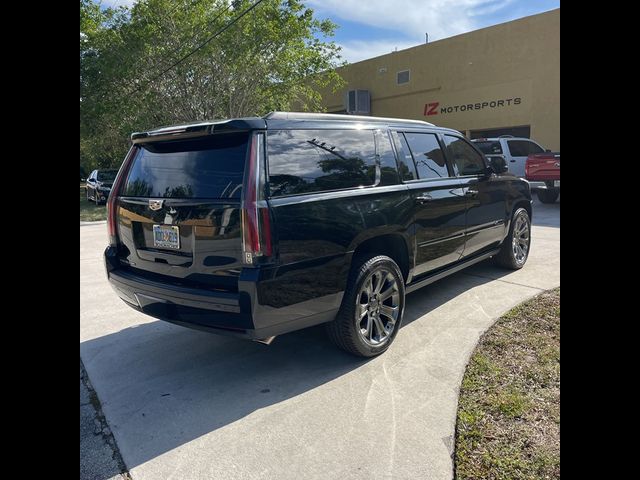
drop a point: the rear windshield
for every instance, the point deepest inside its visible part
(107, 175)
(489, 147)
(209, 167)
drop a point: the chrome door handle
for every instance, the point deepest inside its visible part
(471, 193)
(424, 198)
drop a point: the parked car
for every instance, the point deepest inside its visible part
(515, 151)
(545, 167)
(99, 184)
(255, 227)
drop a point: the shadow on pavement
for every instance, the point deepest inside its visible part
(169, 385)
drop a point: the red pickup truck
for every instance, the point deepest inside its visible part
(544, 167)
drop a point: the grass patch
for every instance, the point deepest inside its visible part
(508, 423)
(89, 211)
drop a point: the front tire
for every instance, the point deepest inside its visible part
(548, 195)
(515, 248)
(372, 308)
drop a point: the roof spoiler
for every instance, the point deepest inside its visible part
(195, 130)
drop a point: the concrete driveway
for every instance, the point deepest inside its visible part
(185, 404)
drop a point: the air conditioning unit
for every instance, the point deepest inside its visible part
(357, 102)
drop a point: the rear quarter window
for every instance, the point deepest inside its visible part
(308, 161)
(208, 167)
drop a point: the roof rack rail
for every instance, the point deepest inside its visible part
(338, 116)
(506, 136)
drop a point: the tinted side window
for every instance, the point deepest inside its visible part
(428, 155)
(305, 161)
(406, 167)
(522, 148)
(533, 148)
(466, 160)
(388, 166)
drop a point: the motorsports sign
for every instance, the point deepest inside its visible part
(435, 108)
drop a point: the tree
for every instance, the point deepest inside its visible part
(274, 57)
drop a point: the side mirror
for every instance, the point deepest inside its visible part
(498, 163)
(547, 150)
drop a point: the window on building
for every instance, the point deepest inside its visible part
(403, 77)
(305, 161)
(427, 154)
(466, 160)
(522, 131)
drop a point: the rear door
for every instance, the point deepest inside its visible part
(179, 211)
(519, 150)
(438, 197)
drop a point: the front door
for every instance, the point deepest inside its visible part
(486, 196)
(519, 150)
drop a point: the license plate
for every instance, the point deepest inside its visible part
(166, 236)
(556, 183)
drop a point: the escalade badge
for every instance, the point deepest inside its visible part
(155, 204)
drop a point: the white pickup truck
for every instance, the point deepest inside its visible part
(515, 151)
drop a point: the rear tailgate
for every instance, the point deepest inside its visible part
(178, 211)
(543, 167)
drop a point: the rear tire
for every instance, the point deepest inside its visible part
(372, 308)
(548, 195)
(516, 247)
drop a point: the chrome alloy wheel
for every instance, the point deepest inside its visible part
(377, 307)
(521, 239)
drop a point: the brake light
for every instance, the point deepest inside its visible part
(256, 223)
(112, 221)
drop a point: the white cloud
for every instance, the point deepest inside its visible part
(356, 50)
(440, 18)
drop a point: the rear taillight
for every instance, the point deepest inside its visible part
(112, 221)
(256, 222)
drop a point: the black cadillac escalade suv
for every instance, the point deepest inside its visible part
(256, 227)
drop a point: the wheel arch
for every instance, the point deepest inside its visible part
(394, 245)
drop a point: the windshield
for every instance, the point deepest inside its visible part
(107, 175)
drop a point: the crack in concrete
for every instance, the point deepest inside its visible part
(101, 426)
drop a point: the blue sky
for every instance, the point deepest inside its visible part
(368, 28)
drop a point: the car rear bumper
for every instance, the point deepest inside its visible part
(227, 313)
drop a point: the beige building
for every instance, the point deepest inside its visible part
(499, 80)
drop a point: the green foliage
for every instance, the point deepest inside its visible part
(276, 57)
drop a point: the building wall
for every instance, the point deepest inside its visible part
(517, 63)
